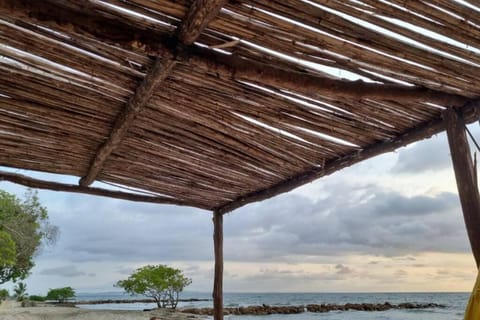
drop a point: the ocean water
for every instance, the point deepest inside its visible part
(455, 304)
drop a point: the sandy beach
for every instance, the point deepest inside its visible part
(11, 310)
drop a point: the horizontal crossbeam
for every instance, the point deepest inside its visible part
(56, 186)
(470, 112)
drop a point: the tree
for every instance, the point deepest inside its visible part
(159, 282)
(24, 224)
(20, 291)
(61, 294)
(8, 252)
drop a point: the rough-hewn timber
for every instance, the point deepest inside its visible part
(201, 12)
(312, 84)
(56, 186)
(470, 112)
(465, 177)
(159, 45)
(161, 69)
(218, 279)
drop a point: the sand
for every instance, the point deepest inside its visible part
(11, 310)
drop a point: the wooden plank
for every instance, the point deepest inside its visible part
(470, 112)
(56, 186)
(465, 177)
(218, 280)
(199, 15)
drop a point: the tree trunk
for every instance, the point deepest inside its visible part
(157, 300)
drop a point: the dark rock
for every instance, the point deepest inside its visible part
(317, 308)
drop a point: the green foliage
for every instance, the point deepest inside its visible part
(37, 298)
(20, 291)
(3, 294)
(159, 282)
(24, 224)
(7, 250)
(61, 294)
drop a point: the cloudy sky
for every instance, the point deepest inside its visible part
(393, 223)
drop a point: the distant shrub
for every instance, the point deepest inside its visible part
(3, 294)
(37, 298)
(61, 294)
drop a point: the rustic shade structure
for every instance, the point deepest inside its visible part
(215, 104)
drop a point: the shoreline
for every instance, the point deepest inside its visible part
(106, 301)
(12, 310)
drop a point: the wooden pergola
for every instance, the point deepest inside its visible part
(215, 104)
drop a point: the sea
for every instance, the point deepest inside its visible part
(454, 304)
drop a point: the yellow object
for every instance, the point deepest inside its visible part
(473, 307)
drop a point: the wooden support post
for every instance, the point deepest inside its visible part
(465, 177)
(218, 280)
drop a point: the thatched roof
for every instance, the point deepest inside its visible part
(215, 104)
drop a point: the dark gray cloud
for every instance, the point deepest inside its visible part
(377, 222)
(423, 157)
(64, 271)
(342, 269)
(347, 218)
(100, 229)
(429, 155)
(397, 204)
(338, 272)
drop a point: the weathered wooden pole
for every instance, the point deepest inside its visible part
(218, 280)
(465, 177)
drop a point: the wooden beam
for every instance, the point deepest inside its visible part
(66, 16)
(465, 177)
(160, 70)
(218, 280)
(61, 17)
(470, 113)
(199, 15)
(56, 186)
(311, 84)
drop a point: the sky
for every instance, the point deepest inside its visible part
(390, 224)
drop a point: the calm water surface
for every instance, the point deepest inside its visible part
(454, 302)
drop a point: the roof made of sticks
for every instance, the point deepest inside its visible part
(215, 104)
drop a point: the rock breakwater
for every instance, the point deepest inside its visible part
(317, 308)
